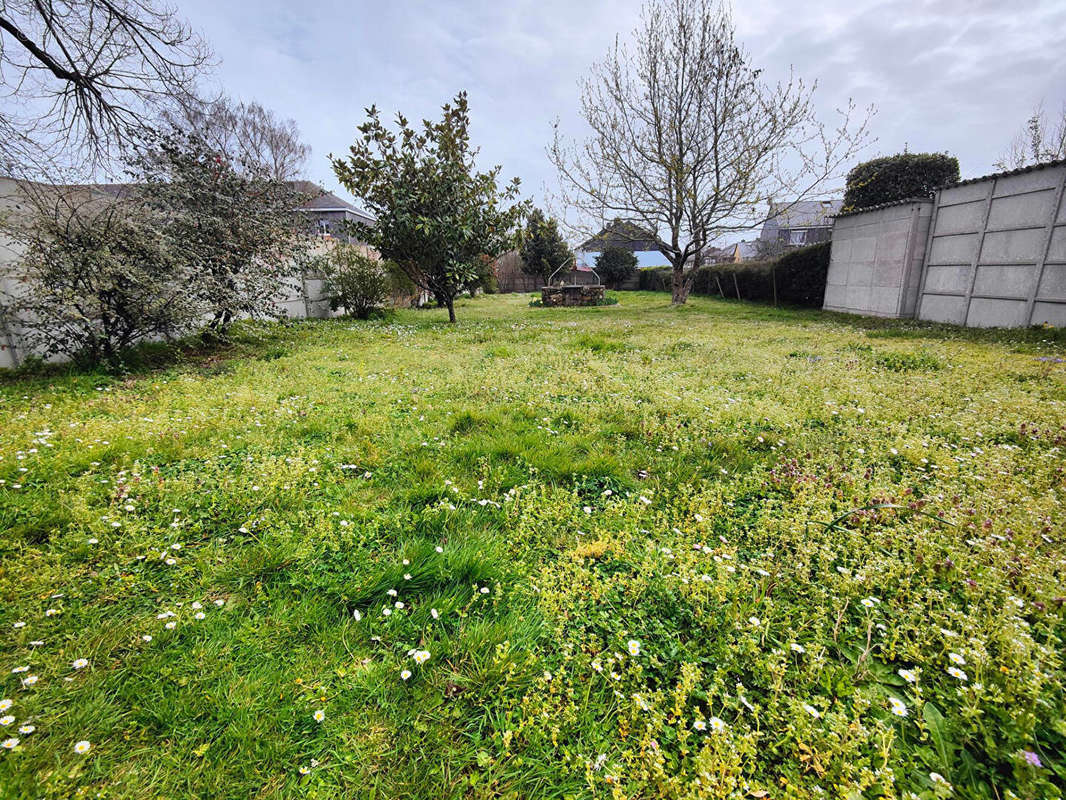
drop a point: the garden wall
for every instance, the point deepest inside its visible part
(994, 254)
(875, 266)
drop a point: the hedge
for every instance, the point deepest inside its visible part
(797, 278)
(898, 177)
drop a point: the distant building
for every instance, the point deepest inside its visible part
(742, 251)
(799, 223)
(626, 235)
(327, 212)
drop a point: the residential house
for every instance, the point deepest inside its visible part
(798, 223)
(626, 235)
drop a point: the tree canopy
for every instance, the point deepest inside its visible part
(543, 248)
(439, 219)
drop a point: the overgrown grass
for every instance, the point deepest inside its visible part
(614, 531)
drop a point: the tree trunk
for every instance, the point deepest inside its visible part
(451, 309)
(680, 285)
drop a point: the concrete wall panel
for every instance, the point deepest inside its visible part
(941, 308)
(962, 218)
(1049, 314)
(1026, 182)
(962, 194)
(1004, 281)
(1013, 247)
(953, 249)
(1053, 282)
(947, 280)
(985, 313)
(1057, 250)
(1021, 211)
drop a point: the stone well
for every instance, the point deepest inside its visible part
(571, 295)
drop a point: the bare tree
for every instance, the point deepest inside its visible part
(245, 132)
(81, 78)
(689, 142)
(1039, 141)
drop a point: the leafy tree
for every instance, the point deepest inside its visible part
(898, 177)
(356, 281)
(1041, 140)
(543, 249)
(97, 274)
(615, 264)
(688, 139)
(438, 218)
(236, 223)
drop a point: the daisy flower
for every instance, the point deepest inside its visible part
(955, 658)
(171, 625)
(82, 747)
(27, 729)
(80, 663)
(634, 647)
(909, 675)
(6, 703)
(6, 720)
(814, 712)
(199, 615)
(421, 656)
(29, 680)
(699, 725)
(319, 715)
(405, 674)
(955, 672)
(797, 648)
(898, 707)
(10, 744)
(716, 724)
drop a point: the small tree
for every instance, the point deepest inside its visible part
(96, 275)
(616, 264)
(898, 177)
(355, 281)
(1040, 140)
(543, 249)
(235, 222)
(438, 219)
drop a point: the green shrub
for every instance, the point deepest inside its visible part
(898, 177)
(355, 281)
(797, 278)
(616, 265)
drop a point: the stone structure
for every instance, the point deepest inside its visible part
(571, 295)
(987, 252)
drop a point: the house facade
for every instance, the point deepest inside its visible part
(799, 223)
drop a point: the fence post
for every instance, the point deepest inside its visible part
(10, 339)
(736, 286)
(977, 254)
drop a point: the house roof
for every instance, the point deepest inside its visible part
(746, 250)
(799, 214)
(321, 200)
(621, 233)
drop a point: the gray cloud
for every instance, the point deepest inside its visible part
(955, 75)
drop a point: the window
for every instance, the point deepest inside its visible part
(796, 236)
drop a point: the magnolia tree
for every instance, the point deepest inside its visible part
(438, 219)
(234, 222)
(690, 141)
(544, 251)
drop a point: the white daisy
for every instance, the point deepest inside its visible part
(634, 647)
(82, 747)
(80, 663)
(319, 715)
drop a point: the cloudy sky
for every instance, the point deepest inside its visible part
(945, 75)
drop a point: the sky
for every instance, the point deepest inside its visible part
(960, 76)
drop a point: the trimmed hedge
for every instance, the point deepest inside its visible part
(898, 177)
(797, 278)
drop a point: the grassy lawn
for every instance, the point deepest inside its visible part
(542, 553)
